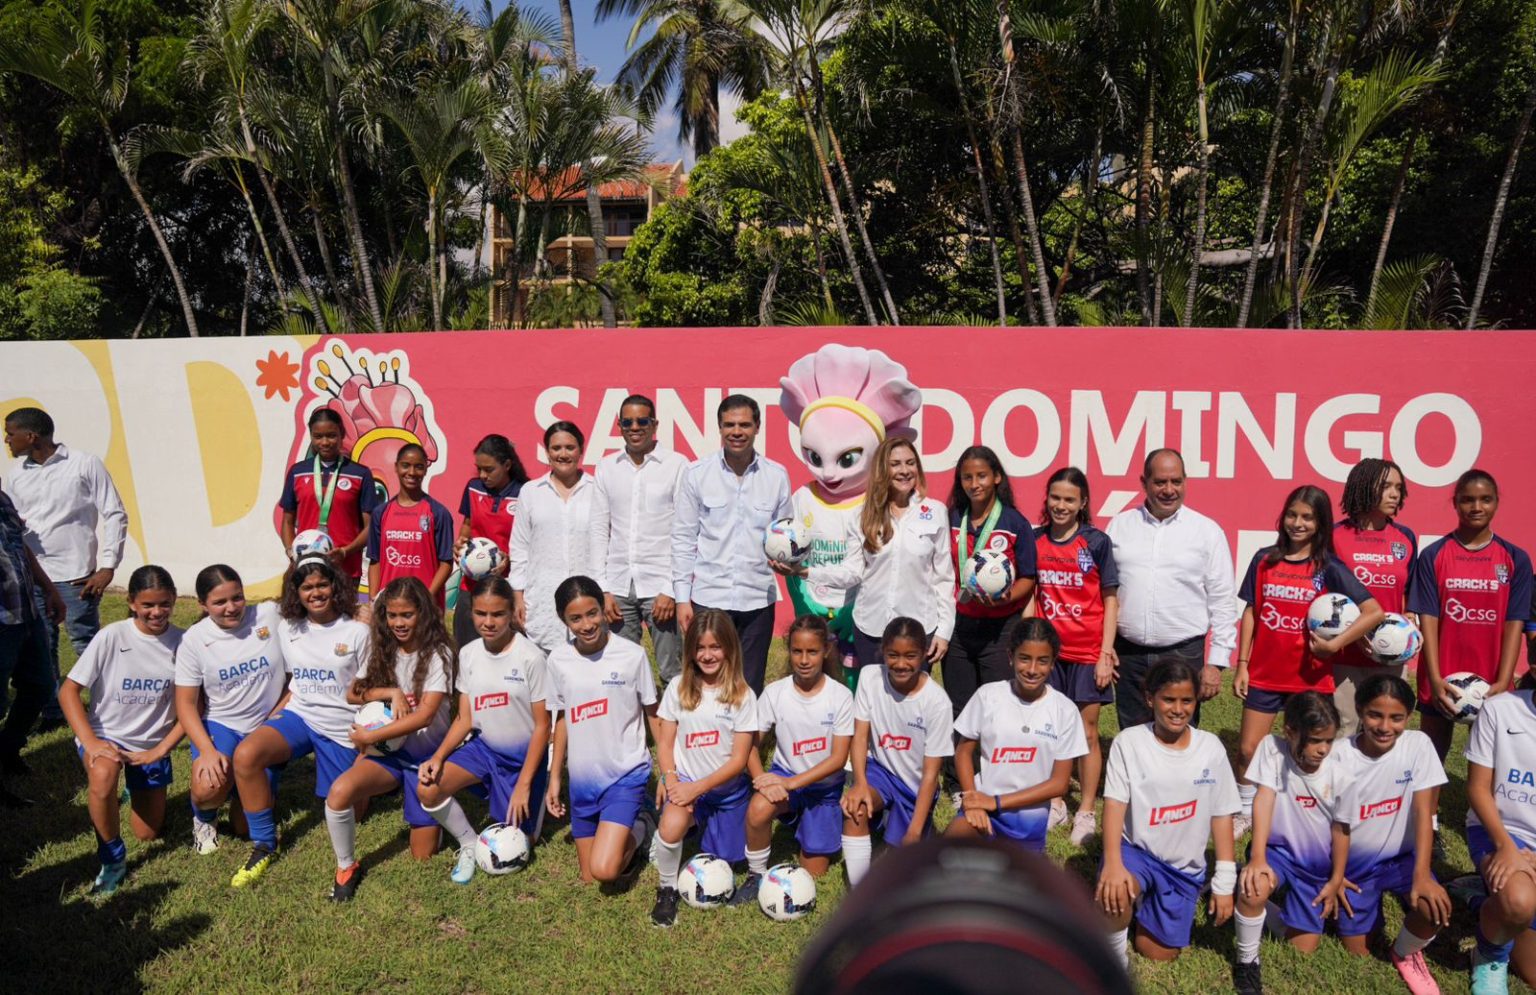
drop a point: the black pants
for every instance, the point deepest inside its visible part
(1135, 661)
(978, 654)
(754, 628)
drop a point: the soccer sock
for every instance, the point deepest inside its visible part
(1487, 950)
(343, 829)
(669, 857)
(1247, 792)
(1434, 821)
(1407, 944)
(112, 851)
(1117, 943)
(1249, 932)
(207, 816)
(262, 826)
(856, 856)
(637, 828)
(757, 861)
(450, 815)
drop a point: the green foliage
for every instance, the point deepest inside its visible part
(39, 299)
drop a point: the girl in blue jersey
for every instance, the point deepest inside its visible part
(229, 677)
(488, 508)
(502, 689)
(411, 667)
(131, 727)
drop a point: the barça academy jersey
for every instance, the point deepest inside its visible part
(1504, 740)
(352, 497)
(240, 670)
(1280, 593)
(1171, 795)
(322, 662)
(706, 735)
(130, 677)
(410, 542)
(501, 689)
(604, 697)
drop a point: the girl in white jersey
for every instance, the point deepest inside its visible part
(131, 728)
(501, 689)
(903, 728)
(605, 696)
(811, 717)
(1027, 735)
(1168, 789)
(708, 721)
(411, 668)
(229, 677)
(324, 647)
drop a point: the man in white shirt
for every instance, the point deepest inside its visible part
(64, 496)
(725, 504)
(1176, 588)
(633, 503)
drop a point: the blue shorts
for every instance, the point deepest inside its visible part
(1075, 680)
(1295, 889)
(721, 816)
(1480, 846)
(619, 802)
(900, 802)
(1165, 909)
(499, 773)
(1267, 702)
(1024, 826)
(1392, 875)
(226, 741)
(331, 758)
(140, 777)
(403, 770)
(816, 814)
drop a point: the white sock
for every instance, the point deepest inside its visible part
(757, 861)
(669, 857)
(343, 829)
(451, 817)
(1434, 821)
(637, 829)
(1117, 940)
(1249, 932)
(1247, 792)
(856, 857)
(1406, 944)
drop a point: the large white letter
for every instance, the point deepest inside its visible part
(544, 410)
(959, 411)
(1146, 416)
(604, 437)
(1405, 442)
(1191, 404)
(994, 431)
(673, 419)
(1278, 454)
(1320, 426)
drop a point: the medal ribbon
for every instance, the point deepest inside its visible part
(987, 526)
(324, 500)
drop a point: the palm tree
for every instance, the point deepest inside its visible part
(67, 51)
(1500, 204)
(1021, 168)
(1266, 185)
(1203, 20)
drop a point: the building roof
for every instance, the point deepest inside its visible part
(668, 178)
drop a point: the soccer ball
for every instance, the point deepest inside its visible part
(989, 572)
(1394, 642)
(784, 542)
(1474, 690)
(1331, 614)
(311, 541)
(376, 715)
(501, 849)
(707, 882)
(787, 893)
(481, 558)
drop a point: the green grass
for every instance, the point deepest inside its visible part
(177, 926)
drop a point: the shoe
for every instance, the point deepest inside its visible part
(255, 866)
(10, 799)
(1467, 889)
(1247, 980)
(664, 912)
(1058, 814)
(346, 882)
(464, 866)
(205, 837)
(1416, 974)
(1489, 977)
(11, 765)
(1240, 826)
(957, 799)
(109, 878)
(1084, 825)
(747, 893)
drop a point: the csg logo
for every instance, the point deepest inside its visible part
(699, 740)
(889, 742)
(1054, 609)
(1013, 754)
(1278, 621)
(1374, 809)
(590, 710)
(1458, 612)
(1167, 815)
(1370, 578)
(498, 699)
(803, 746)
(399, 559)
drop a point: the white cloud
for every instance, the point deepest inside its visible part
(730, 128)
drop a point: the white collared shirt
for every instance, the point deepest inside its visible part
(632, 510)
(1176, 581)
(717, 534)
(62, 500)
(551, 540)
(912, 575)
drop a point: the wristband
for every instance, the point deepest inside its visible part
(1224, 881)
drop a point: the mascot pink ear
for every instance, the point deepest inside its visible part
(868, 376)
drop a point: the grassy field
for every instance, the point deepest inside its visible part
(176, 926)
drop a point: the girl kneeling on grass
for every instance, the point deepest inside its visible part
(811, 717)
(131, 728)
(708, 721)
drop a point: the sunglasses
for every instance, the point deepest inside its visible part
(636, 422)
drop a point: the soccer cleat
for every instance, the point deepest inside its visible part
(1058, 814)
(109, 878)
(1416, 974)
(1084, 826)
(255, 866)
(664, 912)
(205, 837)
(1247, 979)
(747, 893)
(1489, 977)
(346, 882)
(1240, 826)
(464, 866)
(1468, 889)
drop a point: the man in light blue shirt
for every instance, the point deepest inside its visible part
(725, 503)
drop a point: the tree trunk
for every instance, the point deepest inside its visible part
(1021, 167)
(261, 233)
(517, 260)
(187, 316)
(1090, 185)
(1144, 170)
(1500, 204)
(433, 289)
(1266, 188)
(1309, 146)
(821, 267)
(594, 200)
(1010, 214)
(765, 303)
(837, 210)
(245, 299)
(327, 260)
(1391, 221)
(354, 225)
(981, 184)
(1191, 292)
(283, 231)
(707, 138)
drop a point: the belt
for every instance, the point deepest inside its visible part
(1135, 647)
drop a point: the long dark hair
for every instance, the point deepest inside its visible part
(500, 449)
(150, 578)
(1364, 486)
(211, 577)
(1068, 475)
(432, 639)
(1035, 629)
(957, 499)
(1322, 512)
(343, 594)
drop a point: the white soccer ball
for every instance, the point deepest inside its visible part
(785, 542)
(501, 849)
(707, 882)
(989, 572)
(377, 715)
(1474, 691)
(1394, 642)
(481, 558)
(787, 893)
(311, 541)
(1331, 614)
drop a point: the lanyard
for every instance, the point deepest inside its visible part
(987, 526)
(330, 492)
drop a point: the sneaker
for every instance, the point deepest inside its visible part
(109, 878)
(1240, 825)
(1084, 826)
(664, 912)
(747, 893)
(1416, 974)
(464, 866)
(205, 837)
(1489, 977)
(1247, 980)
(255, 866)
(346, 882)
(1467, 889)
(1058, 814)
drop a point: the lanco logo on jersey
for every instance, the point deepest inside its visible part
(890, 742)
(1374, 809)
(496, 699)
(1167, 815)
(803, 746)
(701, 740)
(590, 710)
(1013, 754)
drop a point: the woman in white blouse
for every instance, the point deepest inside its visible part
(900, 560)
(550, 536)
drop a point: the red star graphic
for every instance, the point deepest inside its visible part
(278, 375)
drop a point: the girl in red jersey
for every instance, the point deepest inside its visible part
(1472, 591)
(412, 534)
(1076, 593)
(487, 508)
(1276, 656)
(1380, 551)
(331, 493)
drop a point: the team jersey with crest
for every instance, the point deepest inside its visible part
(1012, 536)
(322, 662)
(604, 697)
(1377, 805)
(502, 689)
(1073, 576)
(1473, 592)
(831, 529)
(804, 726)
(240, 670)
(1504, 740)
(1382, 560)
(410, 542)
(353, 498)
(905, 729)
(1306, 805)
(706, 736)
(421, 744)
(1018, 742)
(1280, 593)
(131, 679)
(489, 515)
(1172, 795)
